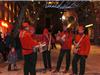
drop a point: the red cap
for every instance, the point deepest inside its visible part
(25, 24)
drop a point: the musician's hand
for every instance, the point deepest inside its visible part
(75, 51)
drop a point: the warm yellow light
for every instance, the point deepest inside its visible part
(9, 20)
(6, 5)
(63, 17)
(69, 25)
(32, 0)
(89, 25)
(13, 11)
(57, 2)
(4, 24)
(26, 13)
(53, 2)
(61, 12)
(10, 7)
(5, 18)
(34, 12)
(49, 2)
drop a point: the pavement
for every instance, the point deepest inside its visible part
(92, 65)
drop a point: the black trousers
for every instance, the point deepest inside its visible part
(30, 64)
(60, 58)
(75, 60)
(53, 45)
(47, 59)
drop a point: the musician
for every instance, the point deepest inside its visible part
(46, 54)
(82, 53)
(28, 43)
(66, 43)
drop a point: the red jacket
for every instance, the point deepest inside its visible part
(27, 42)
(45, 39)
(67, 44)
(84, 45)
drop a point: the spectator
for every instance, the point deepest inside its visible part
(12, 58)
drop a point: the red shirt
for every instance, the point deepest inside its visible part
(67, 44)
(27, 42)
(45, 39)
(84, 44)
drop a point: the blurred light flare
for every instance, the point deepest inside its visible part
(63, 17)
(89, 25)
(4, 24)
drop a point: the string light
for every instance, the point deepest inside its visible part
(38, 18)
(67, 5)
(63, 17)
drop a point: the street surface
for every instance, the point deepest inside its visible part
(92, 66)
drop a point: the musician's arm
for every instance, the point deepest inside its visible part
(34, 43)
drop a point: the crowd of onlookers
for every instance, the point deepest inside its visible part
(6, 42)
(4, 49)
(9, 49)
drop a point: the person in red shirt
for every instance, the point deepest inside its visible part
(66, 44)
(46, 54)
(81, 51)
(28, 43)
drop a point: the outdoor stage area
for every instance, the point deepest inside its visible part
(92, 66)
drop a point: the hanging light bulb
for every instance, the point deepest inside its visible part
(63, 17)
